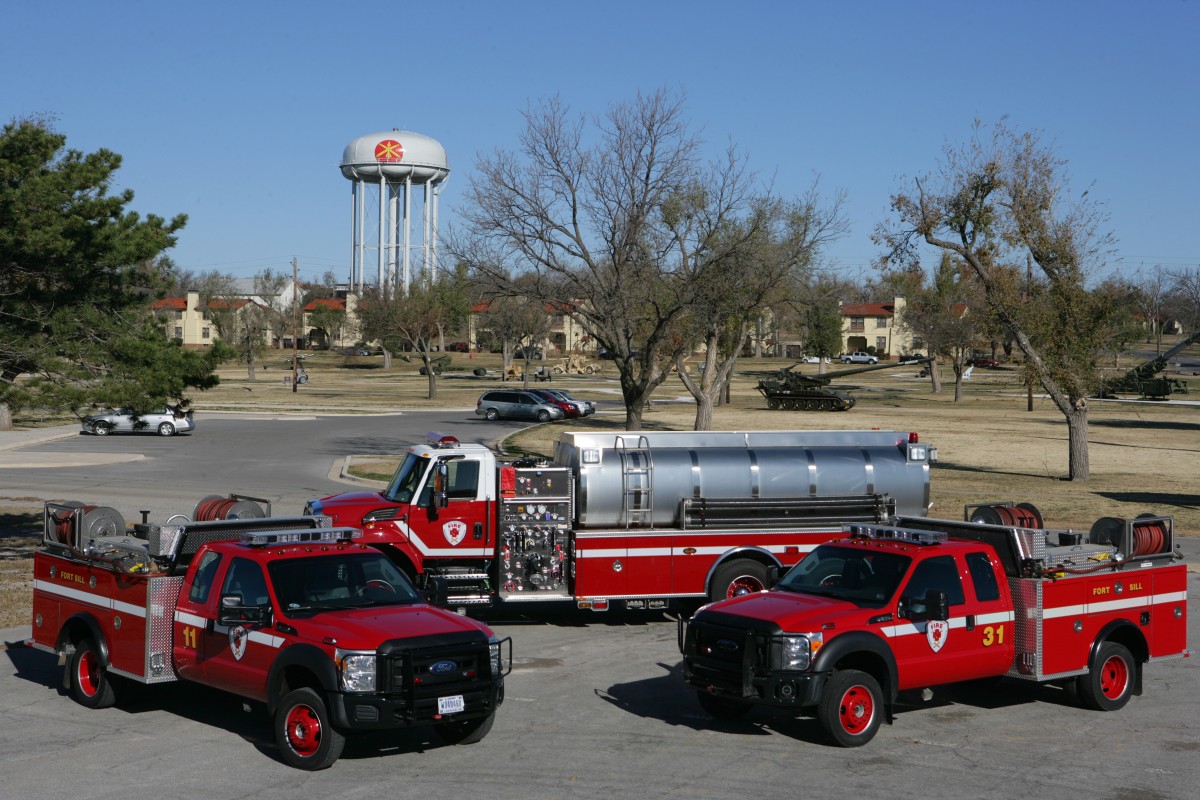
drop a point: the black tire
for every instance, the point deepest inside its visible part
(91, 685)
(102, 429)
(166, 429)
(722, 708)
(851, 708)
(491, 414)
(303, 732)
(543, 416)
(1110, 679)
(468, 731)
(737, 577)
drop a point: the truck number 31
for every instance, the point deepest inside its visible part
(993, 635)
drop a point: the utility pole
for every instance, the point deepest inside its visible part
(295, 325)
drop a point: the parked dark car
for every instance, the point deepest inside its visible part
(586, 406)
(535, 354)
(990, 363)
(570, 409)
(516, 404)
(458, 347)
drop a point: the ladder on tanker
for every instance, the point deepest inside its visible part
(637, 482)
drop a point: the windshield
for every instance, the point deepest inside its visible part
(846, 573)
(403, 487)
(351, 579)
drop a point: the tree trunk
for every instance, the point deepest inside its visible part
(704, 413)
(935, 377)
(1078, 468)
(5, 417)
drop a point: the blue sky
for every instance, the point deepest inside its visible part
(236, 113)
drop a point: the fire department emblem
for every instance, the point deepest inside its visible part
(455, 531)
(936, 632)
(237, 642)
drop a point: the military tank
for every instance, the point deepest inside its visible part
(1145, 381)
(793, 391)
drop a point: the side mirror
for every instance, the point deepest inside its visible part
(772, 575)
(441, 480)
(934, 605)
(232, 611)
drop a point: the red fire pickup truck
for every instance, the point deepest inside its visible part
(926, 602)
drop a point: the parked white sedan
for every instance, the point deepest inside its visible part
(163, 421)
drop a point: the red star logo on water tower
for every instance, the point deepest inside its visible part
(389, 150)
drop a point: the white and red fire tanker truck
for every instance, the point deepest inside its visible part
(636, 517)
(925, 602)
(326, 632)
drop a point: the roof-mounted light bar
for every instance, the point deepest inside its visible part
(898, 534)
(318, 536)
(440, 440)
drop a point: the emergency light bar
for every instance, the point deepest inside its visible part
(440, 440)
(898, 534)
(323, 535)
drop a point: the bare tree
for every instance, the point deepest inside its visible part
(1185, 298)
(411, 320)
(732, 293)
(517, 321)
(614, 222)
(990, 203)
(943, 314)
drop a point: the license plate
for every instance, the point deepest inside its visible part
(451, 705)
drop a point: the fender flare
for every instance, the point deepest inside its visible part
(753, 552)
(861, 643)
(1124, 632)
(308, 657)
(95, 632)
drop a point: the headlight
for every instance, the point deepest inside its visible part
(796, 652)
(494, 657)
(312, 508)
(357, 670)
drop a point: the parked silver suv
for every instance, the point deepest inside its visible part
(516, 404)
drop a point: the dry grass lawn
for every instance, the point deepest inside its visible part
(1145, 456)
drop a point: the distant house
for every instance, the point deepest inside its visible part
(184, 321)
(875, 325)
(345, 334)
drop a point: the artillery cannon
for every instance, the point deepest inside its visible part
(1144, 380)
(796, 392)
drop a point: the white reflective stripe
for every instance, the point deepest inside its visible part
(186, 618)
(1114, 605)
(262, 637)
(918, 628)
(658, 552)
(440, 551)
(69, 593)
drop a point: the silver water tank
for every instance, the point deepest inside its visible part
(640, 477)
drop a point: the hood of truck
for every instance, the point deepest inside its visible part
(349, 508)
(792, 612)
(366, 628)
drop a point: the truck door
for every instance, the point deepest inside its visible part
(238, 655)
(461, 530)
(930, 652)
(191, 615)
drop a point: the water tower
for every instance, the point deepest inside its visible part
(384, 167)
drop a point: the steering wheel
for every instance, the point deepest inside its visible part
(378, 584)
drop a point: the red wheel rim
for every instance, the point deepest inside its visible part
(88, 674)
(856, 710)
(303, 730)
(1114, 677)
(744, 584)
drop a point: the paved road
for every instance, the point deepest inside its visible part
(595, 707)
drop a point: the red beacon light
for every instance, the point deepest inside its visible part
(913, 438)
(437, 439)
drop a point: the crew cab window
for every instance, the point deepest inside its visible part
(983, 576)
(938, 573)
(203, 580)
(463, 477)
(245, 578)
